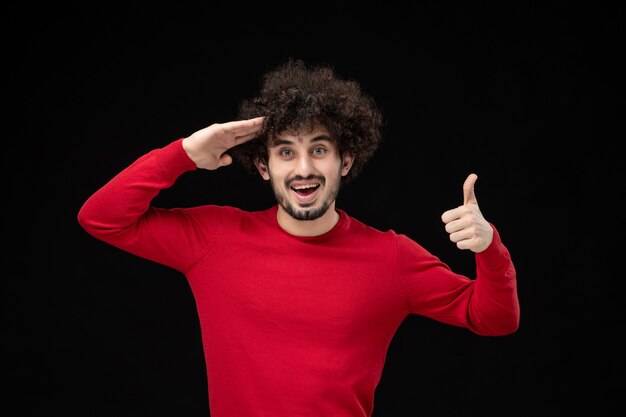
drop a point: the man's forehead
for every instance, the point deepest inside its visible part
(294, 136)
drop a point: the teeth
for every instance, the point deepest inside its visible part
(304, 187)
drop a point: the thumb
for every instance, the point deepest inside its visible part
(469, 197)
(225, 160)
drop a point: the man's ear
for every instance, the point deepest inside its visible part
(346, 164)
(261, 166)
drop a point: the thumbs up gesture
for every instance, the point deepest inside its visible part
(465, 224)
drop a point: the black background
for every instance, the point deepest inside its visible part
(525, 94)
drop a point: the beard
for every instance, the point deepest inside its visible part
(306, 211)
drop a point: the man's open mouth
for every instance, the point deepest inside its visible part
(305, 189)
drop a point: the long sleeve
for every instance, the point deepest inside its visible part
(486, 305)
(120, 213)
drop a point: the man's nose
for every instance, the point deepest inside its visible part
(304, 165)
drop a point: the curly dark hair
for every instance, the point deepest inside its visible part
(296, 97)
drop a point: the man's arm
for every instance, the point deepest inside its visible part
(488, 304)
(120, 213)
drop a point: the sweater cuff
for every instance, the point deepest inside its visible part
(496, 254)
(173, 160)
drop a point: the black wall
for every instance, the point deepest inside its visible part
(525, 94)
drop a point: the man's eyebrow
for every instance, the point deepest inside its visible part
(319, 138)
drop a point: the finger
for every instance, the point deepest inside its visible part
(451, 215)
(461, 235)
(243, 126)
(251, 125)
(244, 138)
(244, 135)
(455, 225)
(257, 120)
(465, 244)
(469, 197)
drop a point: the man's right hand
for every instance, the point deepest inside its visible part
(207, 147)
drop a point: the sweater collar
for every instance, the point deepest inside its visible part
(337, 228)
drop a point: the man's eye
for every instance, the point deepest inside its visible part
(286, 153)
(319, 151)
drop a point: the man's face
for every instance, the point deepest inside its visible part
(305, 172)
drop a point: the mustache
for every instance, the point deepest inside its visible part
(320, 178)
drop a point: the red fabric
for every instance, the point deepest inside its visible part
(294, 326)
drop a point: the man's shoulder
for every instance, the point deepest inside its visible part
(227, 213)
(359, 226)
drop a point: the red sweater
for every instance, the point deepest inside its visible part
(294, 326)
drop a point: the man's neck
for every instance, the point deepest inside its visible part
(315, 227)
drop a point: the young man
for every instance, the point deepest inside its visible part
(298, 302)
